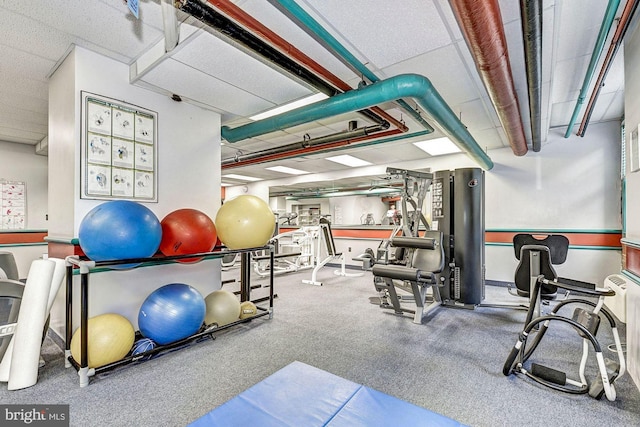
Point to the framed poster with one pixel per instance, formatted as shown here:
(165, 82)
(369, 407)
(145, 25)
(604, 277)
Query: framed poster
(119, 150)
(13, 205)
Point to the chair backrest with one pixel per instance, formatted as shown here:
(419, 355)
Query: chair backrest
(10, 299)
(8, 265)
(430, 259)
(557, 243)
(525, 270)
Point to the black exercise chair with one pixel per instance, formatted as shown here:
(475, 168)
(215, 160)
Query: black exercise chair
(558, 246)
(584, 321)
(422, 272)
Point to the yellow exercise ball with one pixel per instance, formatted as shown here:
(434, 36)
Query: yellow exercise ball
(110, 338)
(248, 309)
(245, 222)
(223, 308)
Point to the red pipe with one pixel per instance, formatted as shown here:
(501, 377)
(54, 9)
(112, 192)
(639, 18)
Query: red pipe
(481, 24)
(312, 149)
(629, 8)
(250, 23)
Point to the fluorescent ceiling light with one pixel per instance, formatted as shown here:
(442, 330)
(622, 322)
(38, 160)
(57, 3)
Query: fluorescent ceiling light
(284, 169)
(241, 177)
(438, 146)
(348, 160)
(290, 106)
(226, 184)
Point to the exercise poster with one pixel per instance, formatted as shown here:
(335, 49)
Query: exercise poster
(14, 205)
(119, 150)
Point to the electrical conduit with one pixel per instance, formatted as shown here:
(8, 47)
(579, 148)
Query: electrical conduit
(605, 27)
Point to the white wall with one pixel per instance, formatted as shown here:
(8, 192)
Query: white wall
(571, 184)
(632, 194)
(632, 121)
(19, 162)
(188, 149)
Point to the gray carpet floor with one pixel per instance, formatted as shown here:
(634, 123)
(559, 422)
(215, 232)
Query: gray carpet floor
(451, 364)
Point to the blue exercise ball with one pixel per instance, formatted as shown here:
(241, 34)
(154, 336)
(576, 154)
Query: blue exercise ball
(171, 313)
(120, 229)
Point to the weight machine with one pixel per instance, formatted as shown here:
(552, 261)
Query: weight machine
(457, 203)
(309, 247)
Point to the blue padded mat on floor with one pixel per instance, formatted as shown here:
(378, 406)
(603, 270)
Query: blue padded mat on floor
(301, 395)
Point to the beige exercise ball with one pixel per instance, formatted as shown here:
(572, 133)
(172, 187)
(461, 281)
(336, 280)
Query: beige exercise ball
(223, 307)
(245, 222)
(248, 309)
(110, 338)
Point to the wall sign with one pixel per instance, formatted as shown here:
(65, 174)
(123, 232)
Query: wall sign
(119, 150)
(13, 201)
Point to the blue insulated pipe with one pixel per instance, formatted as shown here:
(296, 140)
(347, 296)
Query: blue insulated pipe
(403, 86)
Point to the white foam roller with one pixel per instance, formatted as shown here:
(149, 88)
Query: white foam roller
(59, 272)
(27, 339)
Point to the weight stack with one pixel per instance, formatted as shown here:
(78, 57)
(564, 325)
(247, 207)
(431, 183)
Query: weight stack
(468, 220)
(458, 211)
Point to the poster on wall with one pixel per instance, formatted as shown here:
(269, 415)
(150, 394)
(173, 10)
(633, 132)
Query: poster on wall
(13, 215)
(119, 150)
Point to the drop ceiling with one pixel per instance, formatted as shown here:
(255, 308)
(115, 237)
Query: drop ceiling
(391, 38)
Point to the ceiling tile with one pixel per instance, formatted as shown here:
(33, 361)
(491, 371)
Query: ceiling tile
(225, 63)
(417, 28)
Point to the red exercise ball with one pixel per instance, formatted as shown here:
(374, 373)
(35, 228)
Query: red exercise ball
(187, 231)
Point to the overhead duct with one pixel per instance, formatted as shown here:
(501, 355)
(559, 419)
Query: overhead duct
(618, 36)
(605, 27)
(531, 17)
(205, 13)
(481, 24)
(402, 86)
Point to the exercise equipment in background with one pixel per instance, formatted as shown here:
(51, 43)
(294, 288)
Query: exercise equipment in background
(325, 246)
(171, 313)
(294, 251)
(222, 308)
(308, 247)
(119, 229)
(110, 339)
(585, 322)
(245, 222)
(187, 231)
